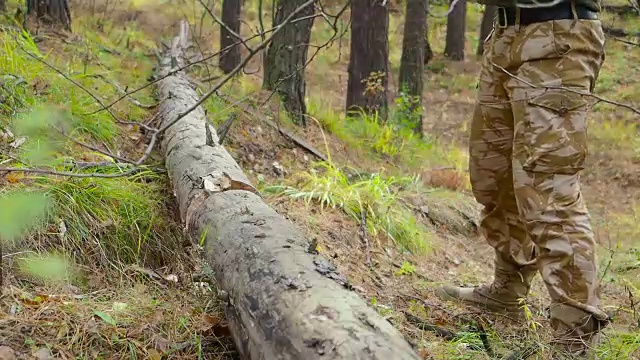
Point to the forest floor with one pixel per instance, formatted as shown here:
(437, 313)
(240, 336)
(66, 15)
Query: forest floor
(138, 288)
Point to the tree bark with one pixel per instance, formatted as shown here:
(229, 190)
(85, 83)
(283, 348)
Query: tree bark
(281, 301)
(412, 61)
(230, 55)
(368, 69)
(456, 27)
(286, 59)
(3, 5)
(486, 26)
(49, 12)
(428, 52)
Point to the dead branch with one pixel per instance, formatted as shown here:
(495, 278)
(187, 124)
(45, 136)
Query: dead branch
(186, 66)
(619, 32)
(621, 10)
(296, 139)
(364, 237)
(221, 23)
(240, 66)
(549, 87)
(94, 148)
(90, 93)
(124, 92)
(225, 127)
(71, 174)
(423, 325)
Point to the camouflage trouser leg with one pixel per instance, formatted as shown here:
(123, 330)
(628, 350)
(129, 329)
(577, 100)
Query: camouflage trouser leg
(491, 149)
(528, 145)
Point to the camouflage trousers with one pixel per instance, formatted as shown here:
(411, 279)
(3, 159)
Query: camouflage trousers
(528, 146)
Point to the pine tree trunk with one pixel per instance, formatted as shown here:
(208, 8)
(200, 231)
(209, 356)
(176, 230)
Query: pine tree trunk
(412, 62)
(485, 27)
(230, 53)
(49, 12)
(456, 27)
(428, 52)
(368, 69)
(286, 58)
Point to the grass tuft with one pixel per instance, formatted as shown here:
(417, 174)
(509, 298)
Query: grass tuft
(374, 196)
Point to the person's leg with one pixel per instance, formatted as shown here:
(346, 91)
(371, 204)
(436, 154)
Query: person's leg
(560, 62)
(490, 148)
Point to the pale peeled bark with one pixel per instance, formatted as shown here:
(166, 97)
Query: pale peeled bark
(282, 301)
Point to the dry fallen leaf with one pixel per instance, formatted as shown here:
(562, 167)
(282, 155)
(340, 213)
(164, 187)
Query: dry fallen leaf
(14, 177)
(91, 326)
(43, 354)
(154, 354)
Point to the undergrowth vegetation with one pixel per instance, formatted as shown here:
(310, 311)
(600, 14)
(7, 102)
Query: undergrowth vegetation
(78, 250)
(408, 190)
(372, 199)
(123, 218)
(388, 139)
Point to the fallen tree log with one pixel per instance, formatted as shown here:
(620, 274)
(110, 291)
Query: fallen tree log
(282, 300)
(622, 10)
(611, 31)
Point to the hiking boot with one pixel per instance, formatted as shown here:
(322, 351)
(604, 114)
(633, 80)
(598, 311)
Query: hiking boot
(576, 350)
(484, 297)
(502, 296)
(577, 333)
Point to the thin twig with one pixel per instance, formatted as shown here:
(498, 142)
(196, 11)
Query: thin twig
(297, 140)
(363, 235)
(219, 21)
(91, 147)
(68, 78)
(554, 87)
(238, 68)
(124, 92)
(484, 338)
(423, 325)
(70, 174)
(524, 353)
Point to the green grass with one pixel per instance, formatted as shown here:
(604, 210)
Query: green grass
(125, 218)
(93, 229)
(373, 197)
(387, 140)
(387, 203)
(100, 221)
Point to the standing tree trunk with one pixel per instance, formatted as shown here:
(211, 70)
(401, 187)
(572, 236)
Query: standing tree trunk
(286, 58)
(486, 26)
(412, 62)
(3, 5)
(229, 32)
(428, 52)
(368, 71)
(49, 12)
(456, 27)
